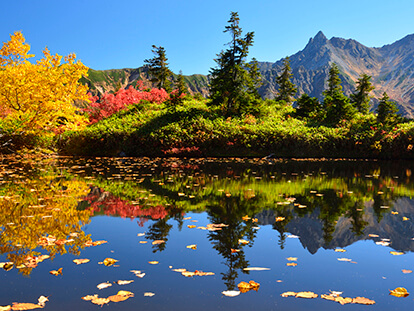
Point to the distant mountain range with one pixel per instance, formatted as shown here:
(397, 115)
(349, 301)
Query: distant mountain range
(391, 68)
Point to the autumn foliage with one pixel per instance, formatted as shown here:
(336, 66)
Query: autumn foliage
(39, 97)
(108, 104)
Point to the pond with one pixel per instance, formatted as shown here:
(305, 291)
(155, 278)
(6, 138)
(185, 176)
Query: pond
(224, 234)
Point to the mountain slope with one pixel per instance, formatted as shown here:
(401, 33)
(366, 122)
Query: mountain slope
(391, 68)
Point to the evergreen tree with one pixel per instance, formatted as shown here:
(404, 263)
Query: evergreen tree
(180, 84)
(286, 88)
(337, 105)
(387, 111)
(360, 99)
(233, 81)
(308, 107)
(158, 68)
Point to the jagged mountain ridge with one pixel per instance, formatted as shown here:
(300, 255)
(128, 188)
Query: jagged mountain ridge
(391, 68)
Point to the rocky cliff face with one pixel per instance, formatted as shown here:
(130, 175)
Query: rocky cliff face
(391, 68)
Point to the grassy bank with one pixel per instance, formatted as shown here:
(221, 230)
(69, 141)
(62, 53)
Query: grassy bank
(194, 129)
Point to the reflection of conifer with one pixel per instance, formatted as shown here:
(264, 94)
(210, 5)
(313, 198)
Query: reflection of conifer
(159, 230)
(356, 213)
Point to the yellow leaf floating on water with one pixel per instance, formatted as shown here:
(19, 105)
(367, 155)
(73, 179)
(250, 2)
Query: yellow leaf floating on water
(244, 287)
(103, 285)
(396, 253)
(241, 241)
(6, 265)
(306, 295)
(143, 242)
(245, 218)
(399, 292)
(405, 218)
(56, 272)
(196, 273)
(125, 293)
(373, 235)
(149, 294)
(288, 294)
(153, 262)
(109, 261)
(100, 301)
(343, 300)
(5, 308)
(291, 264)
(117, 298)
(156, 242)
(192, 246)
(90, 297)
(292, 258)
(340, 250)
(406, 271)
(80, 261)
(191, 226)
(41, 301)
(121, 282)
(363, 301)
(278, 219)
(25, 306)
(394, 213)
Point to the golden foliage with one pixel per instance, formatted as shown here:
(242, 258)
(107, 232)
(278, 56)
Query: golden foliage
(39, 97)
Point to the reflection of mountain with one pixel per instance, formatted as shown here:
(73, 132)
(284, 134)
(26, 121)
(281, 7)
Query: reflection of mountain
(310, 228)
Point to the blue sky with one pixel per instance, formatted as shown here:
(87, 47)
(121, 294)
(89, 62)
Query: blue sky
(119, 33)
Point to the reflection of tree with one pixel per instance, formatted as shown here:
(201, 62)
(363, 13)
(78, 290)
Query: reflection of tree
(230, 212)
(356, 213)
(40, 208)
(159, 230)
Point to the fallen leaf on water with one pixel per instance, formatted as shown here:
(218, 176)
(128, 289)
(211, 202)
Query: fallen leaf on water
(25, 306)
(231, 293)
(335, 293)
(6, 265)
(363, 301)
(153, 262)
(234, 250)
(340, 250)
(399, 292)
(278, 219)
(373, 235)
(143, 242)
(186, 218)
(125, 293)
(100, 301)
(192, 246)
(138, 273)
(196, 273)
(291, 264)
(109, 261)
(405, 218)
(191, 226)
(149, 294)
(288, 294)
(117, 298)
(328, 297)
(244, 287)
(256, 269)
(56, 272)
(121, 282)
(343, 300)
(382, 243)
(306, 295)
(157, 242)
(394, 213)
(41, 301)
(179, 270)
(140, 234)
(5, 308)
(396, 253)
(292, 258)
(245, 218)
(345, 259)
(103, 285)
(80, 261)
(241, 241)
(90, 297)
(406, 271)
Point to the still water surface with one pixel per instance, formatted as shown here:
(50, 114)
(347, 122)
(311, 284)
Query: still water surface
(338, 221)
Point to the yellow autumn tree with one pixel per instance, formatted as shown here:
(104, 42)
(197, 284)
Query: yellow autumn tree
(38, 98)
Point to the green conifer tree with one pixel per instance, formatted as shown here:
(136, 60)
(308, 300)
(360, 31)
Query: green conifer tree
(233, 80)
(286, 88)
(180, 84)
(337, 106)
(360, 99)
(158, 68)
(387, 111)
